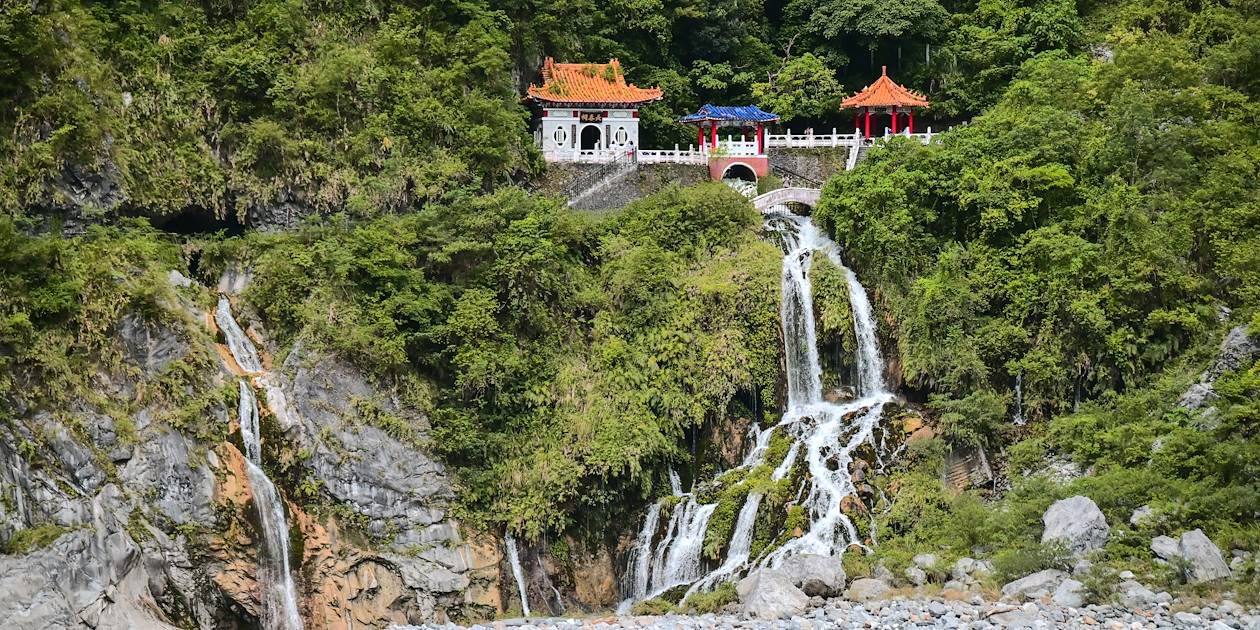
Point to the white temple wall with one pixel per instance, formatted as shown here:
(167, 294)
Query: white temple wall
(562, 128)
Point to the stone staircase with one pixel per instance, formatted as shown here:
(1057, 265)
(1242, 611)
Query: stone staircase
(600, 178)
(856, 156)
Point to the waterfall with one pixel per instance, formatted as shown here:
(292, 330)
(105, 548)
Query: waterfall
(682, 563)
(828, 433)
(241, 347)
(275, 576)
(739, 547)
(639, 566)
(675, 484)
(1019, 418)
(510, 543)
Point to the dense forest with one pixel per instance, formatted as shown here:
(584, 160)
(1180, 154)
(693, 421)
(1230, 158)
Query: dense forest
(1089, 229)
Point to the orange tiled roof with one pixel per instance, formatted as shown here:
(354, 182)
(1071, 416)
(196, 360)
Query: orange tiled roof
(589, 83)
(885, 93)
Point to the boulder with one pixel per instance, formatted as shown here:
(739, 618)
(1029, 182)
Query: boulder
(866, 589)
(1024, 617)
(916, 576)
(925, 561)
(770, 594)
(1133, 594)
(1141, 515)
(1077, 523)
(1204, 562)
(1070, 593)
(1165, 548)
(1039, 584)
(815, 575)
(962, 569)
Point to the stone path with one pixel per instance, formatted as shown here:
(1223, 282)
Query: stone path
(900, 613)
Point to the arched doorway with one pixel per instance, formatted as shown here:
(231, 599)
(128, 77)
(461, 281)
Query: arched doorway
(739, 171)
(592, 138)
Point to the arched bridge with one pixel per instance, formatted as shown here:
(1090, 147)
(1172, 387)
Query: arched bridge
(779, 196)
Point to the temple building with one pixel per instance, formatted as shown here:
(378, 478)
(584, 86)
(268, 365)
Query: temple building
(588, 110)
(884, 95)
(743, 155)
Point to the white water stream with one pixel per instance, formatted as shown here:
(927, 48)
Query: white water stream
(514, 559)
(827, 432)
(278, 592)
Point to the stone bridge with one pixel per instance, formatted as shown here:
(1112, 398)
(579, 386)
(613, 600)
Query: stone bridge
(807, 196)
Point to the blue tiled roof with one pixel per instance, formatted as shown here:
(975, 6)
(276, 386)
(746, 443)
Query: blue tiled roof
(723, 113)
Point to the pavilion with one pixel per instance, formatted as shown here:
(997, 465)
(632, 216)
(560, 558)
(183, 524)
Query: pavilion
(733, 156)
(589, 111)
(884, 94)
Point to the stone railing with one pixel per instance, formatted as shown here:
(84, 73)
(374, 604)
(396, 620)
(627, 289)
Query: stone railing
(690, 155)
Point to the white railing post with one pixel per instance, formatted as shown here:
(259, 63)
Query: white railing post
(788, 138)
(929, 136)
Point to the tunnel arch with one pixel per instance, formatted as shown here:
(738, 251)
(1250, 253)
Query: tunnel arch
(739, 170)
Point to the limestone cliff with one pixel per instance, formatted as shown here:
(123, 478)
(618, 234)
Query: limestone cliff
(123, 503)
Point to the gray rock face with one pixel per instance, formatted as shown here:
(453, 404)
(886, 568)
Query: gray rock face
(400, 488)
(1198, 396)
(75, 459)
(179, 491)
(150, 346)
(1039, 584)
(1070, 593)
(1237, 350)
(234, 280)
(1077, 523)
(770, 594)
(816, 576)
(916, 576)
(1204, 562)
(866, 589)
(96, 577)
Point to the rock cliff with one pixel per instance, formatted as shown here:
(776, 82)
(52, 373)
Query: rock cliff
(124, 503)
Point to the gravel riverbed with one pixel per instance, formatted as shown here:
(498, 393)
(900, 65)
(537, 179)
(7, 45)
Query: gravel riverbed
(916, 613)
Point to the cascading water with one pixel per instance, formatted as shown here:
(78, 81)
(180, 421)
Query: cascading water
(1019, 419)
(275, 576)
(827, 432)
(514, 560)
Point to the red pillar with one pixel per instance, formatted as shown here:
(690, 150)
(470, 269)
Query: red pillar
(713, 132)
(761, 139)
(700, 137)
(867, 134)
(894, 123)
(910, 122)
